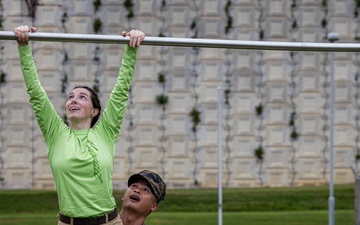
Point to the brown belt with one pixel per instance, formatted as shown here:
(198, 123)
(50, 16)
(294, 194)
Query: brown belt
(91, 220)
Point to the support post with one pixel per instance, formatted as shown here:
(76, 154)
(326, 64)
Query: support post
(220, 204)
(332, 37)
(357, 196)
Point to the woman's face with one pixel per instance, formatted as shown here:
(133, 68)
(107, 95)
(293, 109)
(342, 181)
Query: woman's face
(79, 106)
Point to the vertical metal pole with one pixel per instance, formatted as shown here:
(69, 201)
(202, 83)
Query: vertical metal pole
(332, 37)
(219, 89)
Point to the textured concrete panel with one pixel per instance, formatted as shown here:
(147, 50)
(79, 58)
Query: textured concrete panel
(48, 15)
(244, 16)
(276, 92)
(146, 7)
(145, 114)
(276, 114)
(310, 147)
(177, 103)
(146, 71)
(342, 115)
(309, 82)
(244, 103)
(309, 168)
(342, 92)
(177, 124)
(309, 125)
(243, 147)
(275, 135)
(277, 178)
(342, 135)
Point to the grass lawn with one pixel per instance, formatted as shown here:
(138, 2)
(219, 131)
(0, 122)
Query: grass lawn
(342, 217)
(250, 206)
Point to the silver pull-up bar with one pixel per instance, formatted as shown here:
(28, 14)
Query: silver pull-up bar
(189, 42)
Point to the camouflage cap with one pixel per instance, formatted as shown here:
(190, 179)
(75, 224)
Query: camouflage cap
(154, 181)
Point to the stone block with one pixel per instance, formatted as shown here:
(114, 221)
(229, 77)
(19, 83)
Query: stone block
(244, 17)
(309, 103)
(276, 92)
(146, 71)
(244, 103)
(309, 125)
(179, 17)
(177, 124)
(146, 7)
(178, 103)
(178, 147)
(342, 92)
(146, 158)
(343, 135)
(310, 146)
(145, 114)
(342, 115)
(48, 15)
(243, 146)
(275, 135)
(277, 177)
(309, 81)
(243, 168)
(309, 168)
(276, 114)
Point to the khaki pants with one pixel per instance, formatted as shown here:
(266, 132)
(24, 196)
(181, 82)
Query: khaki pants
(116, 221)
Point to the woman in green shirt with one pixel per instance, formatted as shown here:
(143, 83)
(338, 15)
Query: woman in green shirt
(81, 155)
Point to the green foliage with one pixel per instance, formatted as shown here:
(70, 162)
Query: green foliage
(324, 23)
(129, 5)
(1, 22)
(193, 24)
(357, 2)
(96, 86)
(227, 94)
(259, 110)
(324, 3)
(64, 18)
(292, 119)
(64, 82)
(294, 135)
(261, 35)
(195, 118)
(97, 5)
(161, 99)
(229, 18)
(161, 78)
(357, 156)
(97, 25)
(2, 77)
(259, 153)
(66, 58)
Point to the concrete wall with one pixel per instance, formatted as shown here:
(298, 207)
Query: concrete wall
(291, 89)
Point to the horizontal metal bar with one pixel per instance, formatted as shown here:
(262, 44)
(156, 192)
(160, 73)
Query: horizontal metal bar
(190, 42)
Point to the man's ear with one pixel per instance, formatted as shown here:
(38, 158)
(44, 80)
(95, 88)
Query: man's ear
(154, 207)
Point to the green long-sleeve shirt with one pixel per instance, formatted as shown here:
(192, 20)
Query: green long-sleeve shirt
(81, 160)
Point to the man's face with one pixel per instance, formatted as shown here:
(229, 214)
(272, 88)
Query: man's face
(139, 197)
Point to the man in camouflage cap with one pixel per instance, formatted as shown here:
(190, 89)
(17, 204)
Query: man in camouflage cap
(145, 190)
